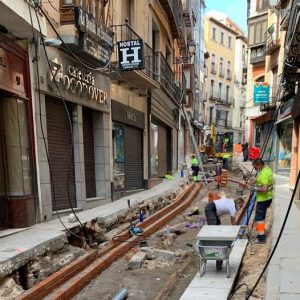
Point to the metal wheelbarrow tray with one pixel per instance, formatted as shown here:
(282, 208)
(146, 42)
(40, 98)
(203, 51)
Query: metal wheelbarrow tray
(214, 250)
(215, 242)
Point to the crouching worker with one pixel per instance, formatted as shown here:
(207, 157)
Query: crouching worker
(217, 208)
(195, 167)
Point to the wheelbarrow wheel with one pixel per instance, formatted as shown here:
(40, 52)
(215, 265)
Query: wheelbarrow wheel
(219, 265)
(202, 267)
(227, 268)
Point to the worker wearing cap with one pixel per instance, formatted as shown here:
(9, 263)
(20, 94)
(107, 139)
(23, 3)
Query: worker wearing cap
(195, 167)
(217, 208)
(264, 195)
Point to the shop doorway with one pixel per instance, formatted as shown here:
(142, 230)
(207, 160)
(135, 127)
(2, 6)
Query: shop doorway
(60, 154)
(16, 197)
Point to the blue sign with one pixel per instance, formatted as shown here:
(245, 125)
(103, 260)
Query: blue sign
(261, 93)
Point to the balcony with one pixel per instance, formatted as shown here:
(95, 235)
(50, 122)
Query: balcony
(167, 80)
(221, 72)
(284, 17)
(267, 107)
(224, 100)
(140, 79)
(229, 75)
(258, 55)
(213, 69)
(15, 18)
(187, 12)
(223, 123)
(272, 39)
(173, 9)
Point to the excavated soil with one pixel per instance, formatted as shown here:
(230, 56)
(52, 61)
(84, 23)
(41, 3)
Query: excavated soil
(145, 283)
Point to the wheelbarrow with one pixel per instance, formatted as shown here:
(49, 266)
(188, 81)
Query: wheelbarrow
(213, 250)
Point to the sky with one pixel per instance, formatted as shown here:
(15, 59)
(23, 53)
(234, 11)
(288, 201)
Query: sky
(236, 10)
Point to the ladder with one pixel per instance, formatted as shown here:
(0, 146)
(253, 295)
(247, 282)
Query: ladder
(187, 118)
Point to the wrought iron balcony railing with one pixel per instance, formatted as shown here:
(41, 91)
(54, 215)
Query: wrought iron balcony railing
(167, 79)
(125, 32)
(174, 11)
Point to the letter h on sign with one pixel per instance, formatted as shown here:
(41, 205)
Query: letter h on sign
(131, 55)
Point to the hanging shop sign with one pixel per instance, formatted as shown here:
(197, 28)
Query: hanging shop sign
(131, 55)
(77, 81)
(261, 93)
(94, 39)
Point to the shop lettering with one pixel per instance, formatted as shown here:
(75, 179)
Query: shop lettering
(78, 82)
(131, 116)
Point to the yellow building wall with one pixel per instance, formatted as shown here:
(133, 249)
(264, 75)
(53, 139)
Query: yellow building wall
(215, 47)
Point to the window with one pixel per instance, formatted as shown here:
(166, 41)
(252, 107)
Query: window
(229, 41)
(228, 69)
(213, 34)
(243, 53)
(220, 89)
(221, 66)
(213, 63)
(262, 5)
(257, 32)
(222, 38)
(212, 83)
(15, 148)
(154, 148)
(118, 156)
(227, 93)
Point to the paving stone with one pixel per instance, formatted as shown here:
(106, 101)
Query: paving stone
(136, 261)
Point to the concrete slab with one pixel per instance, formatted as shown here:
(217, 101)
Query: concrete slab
(218, 233)
(214, 284)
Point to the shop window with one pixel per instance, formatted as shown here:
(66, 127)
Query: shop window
(15, 167)
(285, 146)
(154, 148)
(118, 156)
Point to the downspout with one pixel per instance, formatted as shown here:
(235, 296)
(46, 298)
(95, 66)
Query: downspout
(149, 96)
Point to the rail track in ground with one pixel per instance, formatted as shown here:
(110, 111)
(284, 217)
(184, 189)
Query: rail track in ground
(67, 282)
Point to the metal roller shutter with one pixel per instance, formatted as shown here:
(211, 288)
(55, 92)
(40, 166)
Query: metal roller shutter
(89, 157)
(162, 151)
(59, 146)
(133, 158)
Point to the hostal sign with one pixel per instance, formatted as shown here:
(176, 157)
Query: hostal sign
(131, 55)
(77, 81)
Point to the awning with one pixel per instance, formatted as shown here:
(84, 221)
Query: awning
(263, 118)
(286, 118)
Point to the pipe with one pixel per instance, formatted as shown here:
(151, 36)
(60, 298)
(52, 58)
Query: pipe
(246, 219)
(122, 294)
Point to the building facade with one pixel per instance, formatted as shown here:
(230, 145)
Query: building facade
(220, 37)
(257, 26)
(19, 205)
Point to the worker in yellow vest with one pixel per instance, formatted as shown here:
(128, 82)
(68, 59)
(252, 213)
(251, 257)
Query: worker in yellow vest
(195, 167)
(264, 195)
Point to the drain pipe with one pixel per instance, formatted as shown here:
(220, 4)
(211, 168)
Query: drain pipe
(122, 294)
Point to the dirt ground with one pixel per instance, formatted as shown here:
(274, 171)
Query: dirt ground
(145, 283)
(253, 263)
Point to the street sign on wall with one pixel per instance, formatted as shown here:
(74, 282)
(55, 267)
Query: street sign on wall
(261, 92)
(131, 55)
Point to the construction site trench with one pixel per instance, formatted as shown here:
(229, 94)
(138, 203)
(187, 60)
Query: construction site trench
(158, 265)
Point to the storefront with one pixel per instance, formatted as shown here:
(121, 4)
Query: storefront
(163, 136)
(17, 205)
(75, 106)
(127, 134)
(284, 130)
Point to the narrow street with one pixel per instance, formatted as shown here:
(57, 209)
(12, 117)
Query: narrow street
(149, 149)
